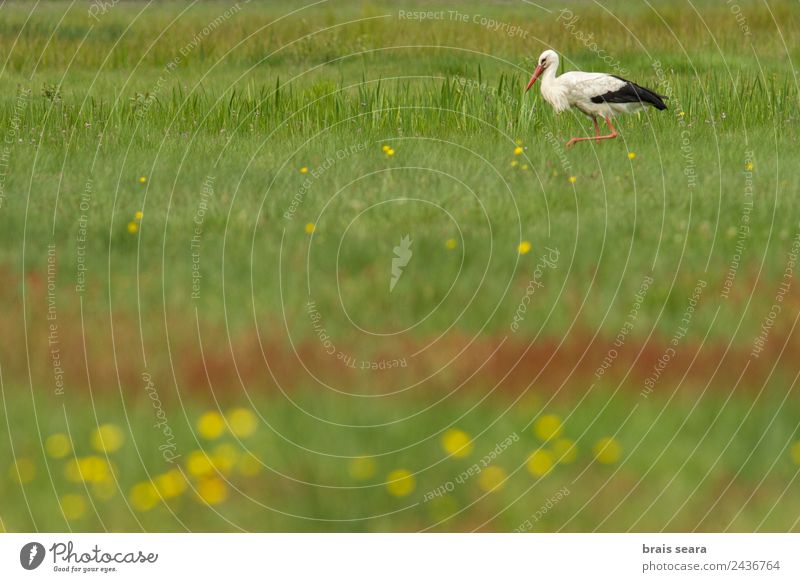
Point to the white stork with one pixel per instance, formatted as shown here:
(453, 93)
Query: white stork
(595, 94)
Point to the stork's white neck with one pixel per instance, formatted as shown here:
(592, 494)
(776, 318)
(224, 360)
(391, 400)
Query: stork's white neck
(552, 91)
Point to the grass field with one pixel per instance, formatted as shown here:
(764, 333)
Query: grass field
(199, 208)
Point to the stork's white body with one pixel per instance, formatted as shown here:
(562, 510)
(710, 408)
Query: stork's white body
(576, 89)
(595, 94)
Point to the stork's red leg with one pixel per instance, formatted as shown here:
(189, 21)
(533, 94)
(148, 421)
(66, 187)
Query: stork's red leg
(597, 136)
(596, 127)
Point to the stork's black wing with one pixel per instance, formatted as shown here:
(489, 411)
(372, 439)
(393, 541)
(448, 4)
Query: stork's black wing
(631, 93)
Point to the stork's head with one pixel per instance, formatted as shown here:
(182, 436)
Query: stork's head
(548, 59)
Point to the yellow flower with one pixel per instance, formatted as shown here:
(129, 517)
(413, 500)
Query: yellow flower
(57, 445)
(225, 457)
(170, 484)
(749, 166)
(243, 422)
(451, 244)
(23, 471)
(518, 141)
(92, 469)
(211, 425)
(310, 228)
(144, 496)
(198, 463)
(524, 167)
(362, 468)
(212, 491)
(400, 483)
(457, 443)
(682, 113)
(518, 150)
(104, 490)
(386, 148)
(73, 506)
(142, 179)
(539, 463)
(492, 479)
(565, 451)
(390, 152)
(573, 179)
(795, 452)
(107, 438)
(524, 247)
(133, 228)
(607, 451)
(548, 426)
(514, 163)
(631, 155)
(249, 465)
(304, 170)
(139, 215)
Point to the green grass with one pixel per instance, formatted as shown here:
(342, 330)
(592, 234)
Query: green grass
(87, 107)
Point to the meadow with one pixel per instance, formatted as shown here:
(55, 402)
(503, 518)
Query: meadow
(203, 329)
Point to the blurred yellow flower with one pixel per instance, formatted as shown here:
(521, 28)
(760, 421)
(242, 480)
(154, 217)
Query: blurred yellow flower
(386, 148)
(456, 443)
(198, 463)
(243, 422)
(107, 438)
(304, 170)
(133, 228)
(573, 179)
(451, 244)
(631, 155)
(524, 247)
(362, 468)
(749, 166)
(211, 425)
(795, 452)
(548, 426)
(249, 465)
(524, 167)
(144, 496)
(139, 215)
(514, 163)
(390, 152)
(400, 483)
(565, 451)
(310, 228)
(142, 179)
(492, 479)
(212, 491)
(517, 150)
(91, 469)
(518, 141)
(23, 470)
(682, 113)
(607, 451)
(225, 457)
(539, 463)
(170, 484)
(57, 445)
(104, 490)
(73, 506)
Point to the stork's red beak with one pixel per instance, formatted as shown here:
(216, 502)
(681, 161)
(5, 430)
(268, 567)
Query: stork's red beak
(536, 74)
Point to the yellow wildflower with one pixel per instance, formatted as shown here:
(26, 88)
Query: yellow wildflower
(212, 491)
(362, 468)
(304, 170)
(518, 150)
(144, 496)
(451, 244)
(547, 427)
(524, 247)
(631, 155)
(198, 463)
(539, 463)
(310, 228)
(492, 479)
(573, 179)
(211, 425)
(457, 443)
(400, 483)
(243, 422)
(23, 470)
(607, 451)
(107, 438)
(73, 506)
(57, 445)
(170, 484)
(133, 228)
